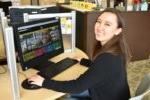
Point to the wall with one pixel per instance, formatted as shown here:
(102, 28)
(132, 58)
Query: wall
(25, 2)
(137, 30)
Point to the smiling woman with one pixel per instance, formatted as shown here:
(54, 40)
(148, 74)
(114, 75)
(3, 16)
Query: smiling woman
(106, 27)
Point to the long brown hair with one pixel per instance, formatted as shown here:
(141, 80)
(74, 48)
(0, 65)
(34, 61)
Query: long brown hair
(117, 45)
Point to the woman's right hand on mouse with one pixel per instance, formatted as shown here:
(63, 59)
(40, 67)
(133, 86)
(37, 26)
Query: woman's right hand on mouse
(77, 58)
(36, 79)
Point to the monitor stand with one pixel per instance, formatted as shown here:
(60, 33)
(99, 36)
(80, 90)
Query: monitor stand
(44, 68)
(52, 69)
(44, 65)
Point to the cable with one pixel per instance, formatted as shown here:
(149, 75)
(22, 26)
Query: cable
(3, 69)
(20, 72)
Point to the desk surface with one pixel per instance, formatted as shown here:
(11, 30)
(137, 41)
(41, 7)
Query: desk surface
(41, 94)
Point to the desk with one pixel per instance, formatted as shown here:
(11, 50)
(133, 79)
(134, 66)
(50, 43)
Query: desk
(41, 94)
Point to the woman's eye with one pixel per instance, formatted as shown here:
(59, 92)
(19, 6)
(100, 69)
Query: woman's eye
(98, 21)
(107, 24)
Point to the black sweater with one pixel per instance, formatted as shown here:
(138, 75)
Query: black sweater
(105, 79)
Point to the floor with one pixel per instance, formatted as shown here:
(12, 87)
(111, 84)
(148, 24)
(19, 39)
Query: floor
(136, 71)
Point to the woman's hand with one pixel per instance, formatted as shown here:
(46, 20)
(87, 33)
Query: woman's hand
(77, 58)
(36, 79)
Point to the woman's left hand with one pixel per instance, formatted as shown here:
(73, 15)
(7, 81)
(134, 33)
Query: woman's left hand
(36, 79)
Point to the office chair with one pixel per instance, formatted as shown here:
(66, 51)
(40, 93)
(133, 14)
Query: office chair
(143, 89)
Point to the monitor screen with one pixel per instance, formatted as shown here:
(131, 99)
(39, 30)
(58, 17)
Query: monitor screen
(38, 41)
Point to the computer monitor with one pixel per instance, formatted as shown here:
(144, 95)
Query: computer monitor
(37, 42)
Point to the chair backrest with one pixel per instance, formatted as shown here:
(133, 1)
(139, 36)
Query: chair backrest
(146, 97)
(143, 89)
(144, 85)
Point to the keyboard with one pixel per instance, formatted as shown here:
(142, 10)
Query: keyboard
(58, 67)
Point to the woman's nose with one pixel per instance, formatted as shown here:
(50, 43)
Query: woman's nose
(100, 26)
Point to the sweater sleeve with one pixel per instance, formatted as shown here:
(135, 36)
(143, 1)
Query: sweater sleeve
(100, 70)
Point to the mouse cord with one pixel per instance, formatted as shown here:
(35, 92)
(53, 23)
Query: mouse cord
(3, 68)
(20, 72)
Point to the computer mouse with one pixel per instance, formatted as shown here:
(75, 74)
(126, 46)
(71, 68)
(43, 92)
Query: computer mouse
(26, 84)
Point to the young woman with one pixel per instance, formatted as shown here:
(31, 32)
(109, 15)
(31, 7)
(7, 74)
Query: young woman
(106, 78)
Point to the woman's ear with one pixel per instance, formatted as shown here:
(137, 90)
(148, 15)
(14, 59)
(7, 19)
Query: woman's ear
(118, 31)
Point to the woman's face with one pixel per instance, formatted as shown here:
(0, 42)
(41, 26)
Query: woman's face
(106, 27)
